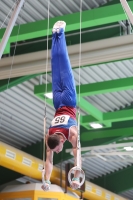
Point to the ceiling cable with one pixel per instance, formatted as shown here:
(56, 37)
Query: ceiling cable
(80, 32)
(45, 105)
(78, 160)
(79, 75)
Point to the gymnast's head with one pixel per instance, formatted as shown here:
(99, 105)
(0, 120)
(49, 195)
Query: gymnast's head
(55, 142)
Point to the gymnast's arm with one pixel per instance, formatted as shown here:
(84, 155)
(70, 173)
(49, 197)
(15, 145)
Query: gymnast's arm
(49, 162)
(73, 140)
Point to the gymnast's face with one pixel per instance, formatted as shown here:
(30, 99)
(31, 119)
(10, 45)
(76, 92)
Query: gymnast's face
(58, 148)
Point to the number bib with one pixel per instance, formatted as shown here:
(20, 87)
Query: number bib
(60, 120)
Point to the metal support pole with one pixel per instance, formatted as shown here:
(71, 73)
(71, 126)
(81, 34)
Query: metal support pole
(129, 27)
(40, 79)
(127, 10)
(10, 26)
(124, 27)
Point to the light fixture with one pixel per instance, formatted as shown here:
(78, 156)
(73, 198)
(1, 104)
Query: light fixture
(49, 95)
(96, 125)
(128, 148)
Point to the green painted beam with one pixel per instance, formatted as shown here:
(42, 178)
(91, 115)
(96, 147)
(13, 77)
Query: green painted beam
(116, 116)
(116, 182)
(105, 133)
(106, 86)
(90, 109)
(121, 115)
(90, 18)
(71, 39)
(14, 81)
(127, 141)
(87, 119)
(99, 87)
(93, 111)
(39, 91)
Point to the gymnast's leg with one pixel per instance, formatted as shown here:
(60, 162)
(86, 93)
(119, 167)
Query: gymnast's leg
(68, 95)
(56, 80)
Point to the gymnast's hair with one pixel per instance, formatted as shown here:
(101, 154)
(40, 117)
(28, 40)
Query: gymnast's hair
(53, 141)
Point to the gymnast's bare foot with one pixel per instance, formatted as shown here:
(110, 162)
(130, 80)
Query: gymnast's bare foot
(58, 25)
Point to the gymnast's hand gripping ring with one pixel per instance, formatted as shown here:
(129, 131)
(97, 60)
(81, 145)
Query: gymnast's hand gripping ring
(81, 175)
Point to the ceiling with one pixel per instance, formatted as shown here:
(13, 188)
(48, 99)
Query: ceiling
(108, 96)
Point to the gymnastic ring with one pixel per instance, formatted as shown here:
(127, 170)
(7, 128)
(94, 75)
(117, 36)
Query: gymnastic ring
(72, 171)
